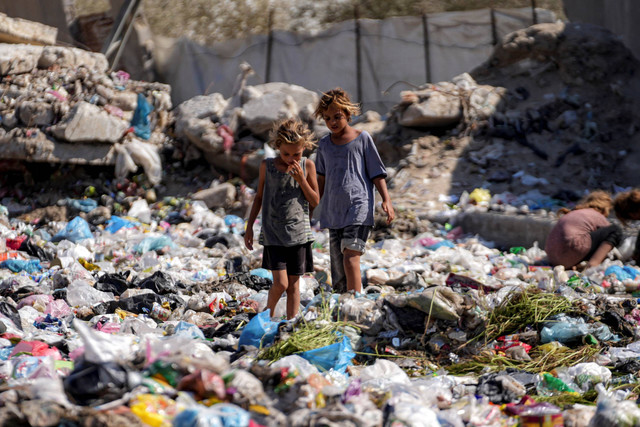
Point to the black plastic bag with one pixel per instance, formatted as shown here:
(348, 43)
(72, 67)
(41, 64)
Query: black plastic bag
(159, 282)
(94, 384)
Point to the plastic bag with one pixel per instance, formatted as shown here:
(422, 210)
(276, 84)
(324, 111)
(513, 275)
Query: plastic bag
(218, 415)
(115, 223)
(153, 244)
(140, 119)
(80, 293)
(83, 205)
(92, 383)
(140, 210)
(260, 331)
(335, 356)
(124, 163)
(147, 156)
(18, 265)
(76, 230)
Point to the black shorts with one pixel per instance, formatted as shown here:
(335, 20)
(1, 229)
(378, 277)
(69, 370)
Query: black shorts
(297, 260)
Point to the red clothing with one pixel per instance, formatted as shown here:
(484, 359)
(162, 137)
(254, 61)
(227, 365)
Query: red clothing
(569, 241)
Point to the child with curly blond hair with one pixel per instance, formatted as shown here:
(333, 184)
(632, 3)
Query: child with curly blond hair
(584, 233)
(287, 190)
(349, 167)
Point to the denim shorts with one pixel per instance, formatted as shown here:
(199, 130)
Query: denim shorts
(352, 237)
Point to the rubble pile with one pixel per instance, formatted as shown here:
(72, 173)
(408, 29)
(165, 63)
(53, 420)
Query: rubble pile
(60, 104)
(231, 133)
(552, 112)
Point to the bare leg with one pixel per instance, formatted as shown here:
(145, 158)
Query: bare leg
(293, 296)
(279, 286)
(600, 254)
(352, 270)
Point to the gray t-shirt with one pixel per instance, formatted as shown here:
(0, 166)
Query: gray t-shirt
(348, 170)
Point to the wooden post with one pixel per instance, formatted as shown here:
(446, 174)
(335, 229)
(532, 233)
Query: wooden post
(425, 35)
(494, 30)
(269, 47)
(533, 12)
(358, 54)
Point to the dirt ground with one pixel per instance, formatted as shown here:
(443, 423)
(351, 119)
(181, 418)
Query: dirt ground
(569, 123)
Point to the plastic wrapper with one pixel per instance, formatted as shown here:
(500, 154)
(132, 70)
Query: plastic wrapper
(80, 293)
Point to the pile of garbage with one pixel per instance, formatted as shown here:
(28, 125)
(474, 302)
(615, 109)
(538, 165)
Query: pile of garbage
(155, 317)
(60, 104)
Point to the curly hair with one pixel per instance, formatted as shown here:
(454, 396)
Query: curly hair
(341, 99)
(599, 200)
(627, 205)
(291, 131)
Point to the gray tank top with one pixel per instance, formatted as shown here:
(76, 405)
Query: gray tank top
(285, 211)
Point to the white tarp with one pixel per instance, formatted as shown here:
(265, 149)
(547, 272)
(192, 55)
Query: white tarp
(392, 52)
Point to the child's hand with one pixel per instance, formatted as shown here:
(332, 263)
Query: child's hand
(387, 207)
(296, 172)
(248, 238)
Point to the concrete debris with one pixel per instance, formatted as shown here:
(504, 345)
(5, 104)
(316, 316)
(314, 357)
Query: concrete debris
(17, 30)
(60, 105)
(89, 123)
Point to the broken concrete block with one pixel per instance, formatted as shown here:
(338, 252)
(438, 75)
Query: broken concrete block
(87, 122)
(438, 109)
(18, 59)
(203, 134)
(17, 30)
(125, 100)
(33, 113)
(221, 196)
(262, 113)
(71, 57)
(200, 107)
(300, 95)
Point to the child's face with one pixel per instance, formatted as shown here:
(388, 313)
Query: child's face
(291, 153)
(335, 119)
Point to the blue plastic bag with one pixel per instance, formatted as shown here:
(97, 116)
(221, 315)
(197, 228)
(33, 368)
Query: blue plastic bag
(76, 230)
(335, 356)
(140, 120)
(18, 265)
(218, 415)
(262, 272)
(235, 224)
(116, 223)
(622, 273)
(189, 330)
(260, 331)
(440, 244)
(84, 205)
(153, 244)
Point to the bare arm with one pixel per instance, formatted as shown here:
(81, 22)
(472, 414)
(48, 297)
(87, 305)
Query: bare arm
(387, 206)
(255, 208)
(308, 184)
